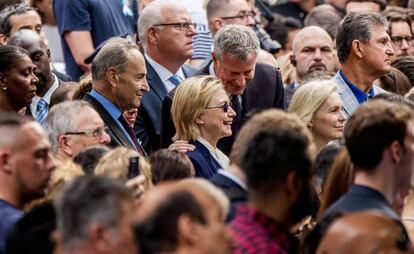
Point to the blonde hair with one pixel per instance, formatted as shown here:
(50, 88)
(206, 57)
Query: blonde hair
(114, 164)
(310, 97)
(190, 100)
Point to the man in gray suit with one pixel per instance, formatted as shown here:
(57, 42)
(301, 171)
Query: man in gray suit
(364, 50)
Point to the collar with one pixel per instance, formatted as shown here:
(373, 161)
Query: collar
(360, 95)
(218, 155)
(162, 72)
(233, 178)
(113, 110)
(46, 97)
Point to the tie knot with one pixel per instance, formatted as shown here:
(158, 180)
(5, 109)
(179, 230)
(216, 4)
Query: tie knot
(41, 104)
(175, 79)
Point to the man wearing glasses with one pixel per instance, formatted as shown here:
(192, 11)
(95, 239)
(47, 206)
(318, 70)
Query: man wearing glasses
(73, 126)
(399, 29)
(166, 32)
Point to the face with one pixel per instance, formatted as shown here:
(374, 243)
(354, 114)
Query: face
(401, 38)
(214, 231)
(40, 56)
(181, 48)
(216, 123)
(29, 20)
(21, 82)
(362, 7)
(328, 121)
(405, 170)
(131, 84)
(235, 73)
(314, 52)
(32, 162)
(130, 116)
(377, 52)
(237, 14)
(122, 237)
(88, 120)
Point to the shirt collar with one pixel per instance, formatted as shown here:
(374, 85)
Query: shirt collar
(360, 95)
(113, 110)
(46, 97)
(162, 72)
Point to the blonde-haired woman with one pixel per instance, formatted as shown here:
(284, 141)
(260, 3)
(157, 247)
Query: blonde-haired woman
(202, 115)
(319, 106)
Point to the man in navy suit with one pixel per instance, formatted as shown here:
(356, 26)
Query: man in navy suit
(383, 159)
(118, 84)
(166, 32)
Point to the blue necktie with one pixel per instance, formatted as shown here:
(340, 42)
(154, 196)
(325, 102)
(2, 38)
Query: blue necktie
(41, 111)
(175, 79)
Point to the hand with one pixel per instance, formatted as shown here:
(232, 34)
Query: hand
(181, 146)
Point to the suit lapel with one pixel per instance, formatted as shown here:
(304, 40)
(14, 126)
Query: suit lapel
(350, 103)
(154, 81)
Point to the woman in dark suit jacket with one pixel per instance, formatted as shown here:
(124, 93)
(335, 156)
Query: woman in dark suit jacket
(202, 115)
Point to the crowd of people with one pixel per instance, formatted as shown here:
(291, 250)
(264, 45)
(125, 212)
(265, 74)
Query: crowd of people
(206, 126)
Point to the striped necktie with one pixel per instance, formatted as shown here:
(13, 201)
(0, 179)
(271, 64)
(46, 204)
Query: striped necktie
(42, 109)
(175, 79)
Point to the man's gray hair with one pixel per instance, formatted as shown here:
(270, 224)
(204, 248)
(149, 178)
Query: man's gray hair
(152, 15)
(356, 26)
(61, 119)
(236, 40)
(112, 55)
(85, 201)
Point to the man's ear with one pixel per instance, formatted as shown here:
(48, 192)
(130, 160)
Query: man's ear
(3, 39)
(5, 161)
(217, 23)
(65, 144)
(395, 151)
(358, 48)
(112, 76)
(293, 184)
(48, 54)
(152, 36)
(188, 231)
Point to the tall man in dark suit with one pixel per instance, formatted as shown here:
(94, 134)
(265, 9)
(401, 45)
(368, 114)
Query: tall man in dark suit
(118, 84)
(379, 137)
(165, 31)
(252, 86)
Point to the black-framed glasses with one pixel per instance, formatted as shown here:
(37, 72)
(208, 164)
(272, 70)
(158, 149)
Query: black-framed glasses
(398, 40)
(225, 107)
(241, 15)
(92, 133)
(180, 26)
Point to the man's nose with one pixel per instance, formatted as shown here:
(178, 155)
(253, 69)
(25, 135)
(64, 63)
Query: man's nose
(105, 138)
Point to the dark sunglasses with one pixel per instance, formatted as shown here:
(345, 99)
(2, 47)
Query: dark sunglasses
(225, 107)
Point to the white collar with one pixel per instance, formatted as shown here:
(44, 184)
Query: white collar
(162, 72)
(46, 97)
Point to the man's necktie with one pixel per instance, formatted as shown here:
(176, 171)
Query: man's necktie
(175, 79)
(41, 111)
(131, 134)
(235, 104)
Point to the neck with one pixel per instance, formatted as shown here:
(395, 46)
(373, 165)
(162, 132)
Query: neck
(377, 180)
(105, 90)
(359, 76)
(319, 141)
(50, 80)
(209, 138)
(171, 64)
(277, 211)
(5, 105)
(9, 194)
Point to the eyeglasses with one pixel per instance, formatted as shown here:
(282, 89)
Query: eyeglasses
(225, 107)
(398, 40)
(92, 133)
(242, 16)
(180, 26)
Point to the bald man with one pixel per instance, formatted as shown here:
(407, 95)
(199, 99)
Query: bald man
(183, 218)
(312, 50)
(365, 232)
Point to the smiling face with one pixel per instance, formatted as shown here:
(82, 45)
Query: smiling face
(21, 82)
(235, 73)
(215, 123)
(377, 52)
(131, 84)
(328, 121)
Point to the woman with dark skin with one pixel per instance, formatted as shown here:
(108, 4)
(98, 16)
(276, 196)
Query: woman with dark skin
(17, 80)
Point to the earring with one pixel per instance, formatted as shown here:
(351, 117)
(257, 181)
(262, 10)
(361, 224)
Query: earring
(199, 122)
(4, 88)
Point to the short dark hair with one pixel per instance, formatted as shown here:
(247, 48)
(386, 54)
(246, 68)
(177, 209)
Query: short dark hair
(270, 156)
(89, 157)
(373, 127)
(6, 13)
(395, 81)
(158, 232)
(356, 26)
(87, 200)
(169, 165)
(10, 56)
(405, 64)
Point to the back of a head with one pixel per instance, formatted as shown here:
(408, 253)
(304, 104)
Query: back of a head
(381, 3)
(89, 157)
(236, 40)
(326, 17)
(167, 165)
(356, 26)
(10, 125)
(395, 82)
(64, 92)
(372, 127)
(86, 201)
(364, 232)
(270, 156)
(10, 56)
(267, 120)
(405, 64)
